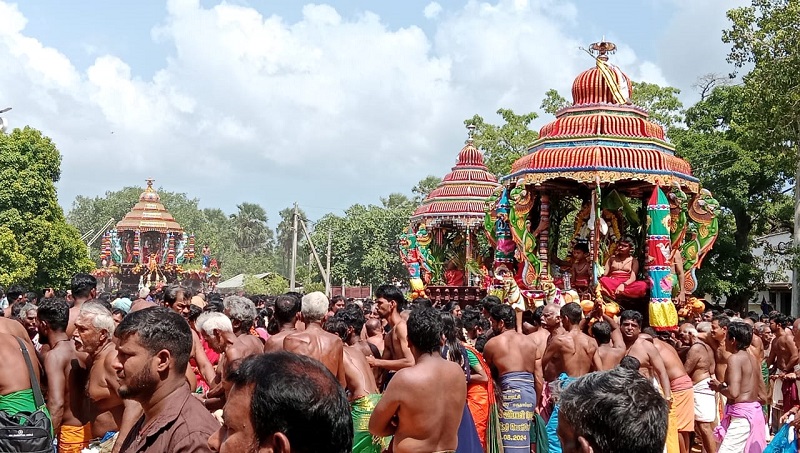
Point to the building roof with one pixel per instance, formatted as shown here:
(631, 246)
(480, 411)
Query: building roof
(603, 136)
(460, 199)
(149, 214)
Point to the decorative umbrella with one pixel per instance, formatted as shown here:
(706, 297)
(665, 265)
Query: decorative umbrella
(663, 316)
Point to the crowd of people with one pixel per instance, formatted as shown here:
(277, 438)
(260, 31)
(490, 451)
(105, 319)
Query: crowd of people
(168, 370)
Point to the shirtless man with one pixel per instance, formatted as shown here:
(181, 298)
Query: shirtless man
(314, 342)
(362, 390)
(681, 409)
(551, 321)
(176, 300)
(783, 358)
(716, 340)
(67, 373)
(610, 344)
(422, 405)
(94, 330)
(217, 330)
(13, 327)
(354, 320)
(242, 313)
(397, 354)
(358, 375)
(540, 337)
(15, 380)
(743, 415)
(375, 335)
(699, 365)
(83, 288)
(568, 356)
(287, 309)
(652, 365)
(572, 351)
(512, 357)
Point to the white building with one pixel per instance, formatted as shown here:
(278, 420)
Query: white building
(771, 255)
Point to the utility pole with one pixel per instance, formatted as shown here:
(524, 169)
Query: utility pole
(314, 253)
(328, 266)
(293, 269)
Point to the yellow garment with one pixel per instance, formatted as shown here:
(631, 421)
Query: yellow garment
(663, 315)
(611, 82)
(73, 439)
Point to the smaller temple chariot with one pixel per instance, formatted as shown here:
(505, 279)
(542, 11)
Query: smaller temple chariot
(441, 245)
(149, 248)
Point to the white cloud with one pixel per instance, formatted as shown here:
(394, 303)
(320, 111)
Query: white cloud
(692, 44)
(327, 110)
(432, 10)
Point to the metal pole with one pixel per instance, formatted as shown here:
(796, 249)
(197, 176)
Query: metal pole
(328, 266)
(293, 268)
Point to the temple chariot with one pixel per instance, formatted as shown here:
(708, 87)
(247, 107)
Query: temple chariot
(600, 210)
(442, 245)
(149, 248)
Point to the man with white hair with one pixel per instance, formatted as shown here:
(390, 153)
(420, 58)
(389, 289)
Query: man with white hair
(699, 364)
(315, 342)
(217, 330)
(93, 335)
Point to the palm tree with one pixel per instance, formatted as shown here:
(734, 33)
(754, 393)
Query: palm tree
(250, 227)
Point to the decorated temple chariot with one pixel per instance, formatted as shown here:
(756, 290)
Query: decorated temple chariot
(599, 211)
(149, 248)
(442, 245)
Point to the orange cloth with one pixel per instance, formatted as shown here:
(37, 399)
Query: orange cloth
(73, 439)
(681, 412)
(478, 398)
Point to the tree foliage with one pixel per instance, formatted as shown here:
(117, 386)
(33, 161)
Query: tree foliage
(730, 155)
(364, 243)
(241, 242)
(661, 102)
(48, 251)
(503, 144)
(424, 187)
(765, 37)
(553, 102)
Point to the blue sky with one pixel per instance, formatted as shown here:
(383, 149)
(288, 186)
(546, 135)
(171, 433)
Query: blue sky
(327, 104)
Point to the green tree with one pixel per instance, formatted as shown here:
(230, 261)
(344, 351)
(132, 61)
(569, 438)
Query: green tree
(504, 144)
(553, 102)
(254, 285)
(250, 224)
(765, 38)
(424, 187)
(275, 285)
(730, 155)
(661, 102)
(29, 209)
(15, 267)
(364, 243)
(396, 200)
